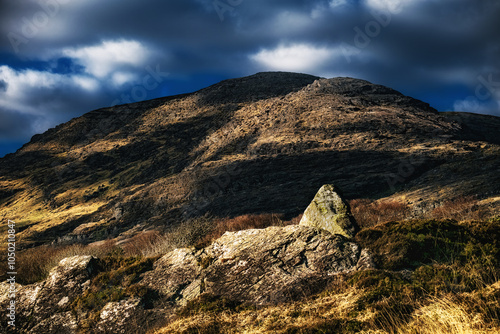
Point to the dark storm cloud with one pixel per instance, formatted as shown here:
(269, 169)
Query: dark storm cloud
(418, 46)
(447, 33)
(15, 125)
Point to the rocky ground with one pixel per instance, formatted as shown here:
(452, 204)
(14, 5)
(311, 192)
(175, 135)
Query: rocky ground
(252, 267)
(421, 276)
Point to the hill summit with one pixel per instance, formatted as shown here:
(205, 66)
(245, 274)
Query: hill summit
(263, 143)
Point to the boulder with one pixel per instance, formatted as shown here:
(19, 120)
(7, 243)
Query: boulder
(258, 266)
(328, 211)
(120, 317)
(63, 322)
(65, 282)
(43, 307)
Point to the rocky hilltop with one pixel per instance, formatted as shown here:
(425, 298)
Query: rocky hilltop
(235, 148)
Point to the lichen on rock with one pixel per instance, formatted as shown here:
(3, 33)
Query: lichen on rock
(257, 266)
(328, 211)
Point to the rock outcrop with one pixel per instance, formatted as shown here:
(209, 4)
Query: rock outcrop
(44, 307)
(258, 266)
(328, 211)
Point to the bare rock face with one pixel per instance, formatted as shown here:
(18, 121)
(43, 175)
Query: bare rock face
(66, 281)
(175, 275)
(43, 307)
(235, 148)
(277, 264)
(120, 317)
(329, 212)
(258, 266)
(64, 322)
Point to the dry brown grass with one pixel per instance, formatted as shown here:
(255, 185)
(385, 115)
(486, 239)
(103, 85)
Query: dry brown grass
(144, 243)
(244, 222)
(461, 208)
(446, 315)
(198, 232)
(34, 264)
(454, 289)
(317, 313)
(369, 213)
(185, 234)
(338, 311)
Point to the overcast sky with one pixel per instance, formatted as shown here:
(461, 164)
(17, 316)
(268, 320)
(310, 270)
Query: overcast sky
(62, 58)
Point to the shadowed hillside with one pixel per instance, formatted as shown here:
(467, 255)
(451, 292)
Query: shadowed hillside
(263, 143)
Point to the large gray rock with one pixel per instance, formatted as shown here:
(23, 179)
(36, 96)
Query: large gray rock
(43, 307)
(259, 266)
(329, 212)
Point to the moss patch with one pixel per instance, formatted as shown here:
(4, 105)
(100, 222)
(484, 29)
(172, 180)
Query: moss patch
(207, 303)
(117, 280)
(410, 244)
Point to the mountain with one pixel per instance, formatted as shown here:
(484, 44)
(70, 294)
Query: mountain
(259, 144)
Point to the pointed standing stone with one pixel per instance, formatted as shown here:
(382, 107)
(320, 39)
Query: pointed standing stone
(328, 211)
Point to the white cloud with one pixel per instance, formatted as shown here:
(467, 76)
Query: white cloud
(85, 83)
(296, 57)
(473, 104)
(42, 98)
(121, 78)
(109, 56)
(25, 86)
(337, 3)
(336, 6)
(393, 6)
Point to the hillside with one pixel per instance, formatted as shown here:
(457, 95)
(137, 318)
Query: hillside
(259, 144)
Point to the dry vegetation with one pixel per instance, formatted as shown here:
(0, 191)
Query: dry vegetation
(339, 312)
(35, 263)
(435, 275)
(463, 208)
(276, 131)
(243, 223)
(369, 213)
